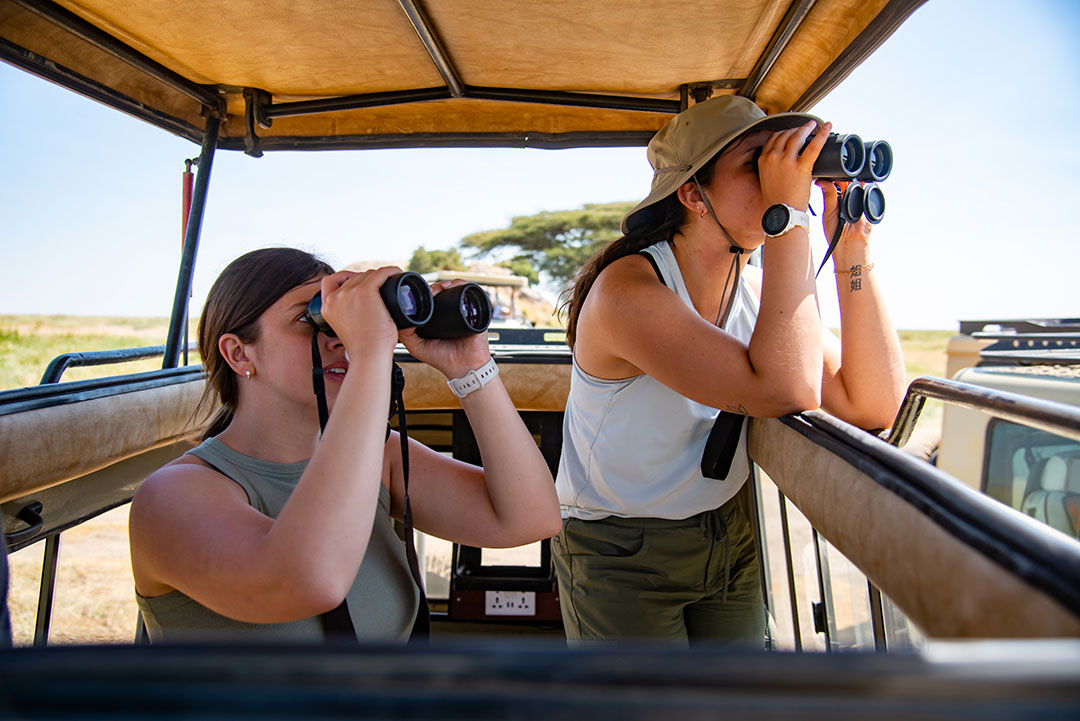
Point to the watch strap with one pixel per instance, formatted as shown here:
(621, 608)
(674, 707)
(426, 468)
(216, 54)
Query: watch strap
(795, 218)
(473, 380)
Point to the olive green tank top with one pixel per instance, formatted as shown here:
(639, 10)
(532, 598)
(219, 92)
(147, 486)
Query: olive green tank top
(382, 602)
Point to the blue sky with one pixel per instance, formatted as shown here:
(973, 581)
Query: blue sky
(979, 100)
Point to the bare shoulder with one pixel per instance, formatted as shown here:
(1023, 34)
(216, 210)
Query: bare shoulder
(182, 482)
(623, 282)
(616, 302)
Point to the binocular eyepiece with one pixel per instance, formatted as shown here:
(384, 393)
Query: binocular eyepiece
(454, 313)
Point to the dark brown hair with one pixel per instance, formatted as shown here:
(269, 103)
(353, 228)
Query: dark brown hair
(662, 220)
(240, 295)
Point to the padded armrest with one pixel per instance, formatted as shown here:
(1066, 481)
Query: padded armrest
(47, 446)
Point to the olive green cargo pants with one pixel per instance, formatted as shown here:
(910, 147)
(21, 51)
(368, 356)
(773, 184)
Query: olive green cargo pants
(648, 578)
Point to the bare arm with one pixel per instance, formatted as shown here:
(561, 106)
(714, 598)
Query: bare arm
(508, 502)
(192, 529)
(864, 378)
(630, 315)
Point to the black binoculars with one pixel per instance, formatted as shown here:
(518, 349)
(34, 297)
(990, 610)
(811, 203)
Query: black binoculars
(848, 159)
(454, 313)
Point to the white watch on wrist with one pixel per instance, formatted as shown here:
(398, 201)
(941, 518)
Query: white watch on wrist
(473, 380)
(780, 218)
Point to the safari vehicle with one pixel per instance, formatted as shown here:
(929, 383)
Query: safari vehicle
(938, 577)
(1031, 469)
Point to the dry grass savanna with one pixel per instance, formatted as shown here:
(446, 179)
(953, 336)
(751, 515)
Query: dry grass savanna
(94, 594)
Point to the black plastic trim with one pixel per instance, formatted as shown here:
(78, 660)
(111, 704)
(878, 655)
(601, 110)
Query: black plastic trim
(534, 678)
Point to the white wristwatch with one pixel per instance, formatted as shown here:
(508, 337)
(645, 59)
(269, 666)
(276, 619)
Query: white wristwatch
(781, 218)
(473, 380)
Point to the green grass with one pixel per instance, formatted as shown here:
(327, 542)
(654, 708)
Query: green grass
(29, 342)
(924, 351)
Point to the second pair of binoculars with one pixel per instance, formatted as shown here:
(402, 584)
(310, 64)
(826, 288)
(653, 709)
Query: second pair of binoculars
(454, 313)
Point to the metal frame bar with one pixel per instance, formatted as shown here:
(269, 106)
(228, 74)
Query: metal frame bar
(821, 565)
(62, 362)
(877, 618)
(551, 141)
(191, 245)
(790, 571)
(1050, 416)
(48, 587)
(434, 44)
(44, 68)
(794, 18)
(872, 36)
(758, 521)
(477, 92)
(107, 43)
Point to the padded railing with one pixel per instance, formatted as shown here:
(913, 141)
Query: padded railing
(956, 562)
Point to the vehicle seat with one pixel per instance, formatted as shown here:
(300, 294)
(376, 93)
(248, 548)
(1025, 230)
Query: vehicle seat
(1057, 502)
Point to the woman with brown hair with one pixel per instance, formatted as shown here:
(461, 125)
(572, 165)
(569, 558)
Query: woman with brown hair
(669, 326)
(270, 530)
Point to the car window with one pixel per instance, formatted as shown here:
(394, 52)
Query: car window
(1035, 472)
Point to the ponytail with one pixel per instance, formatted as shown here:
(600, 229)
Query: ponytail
(657, 222)
(671, 215)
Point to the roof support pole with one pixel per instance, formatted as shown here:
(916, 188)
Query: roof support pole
(791, 22)
(434, 45)
(191, 244)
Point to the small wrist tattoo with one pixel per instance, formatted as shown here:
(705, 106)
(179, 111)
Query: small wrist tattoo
(856, 278)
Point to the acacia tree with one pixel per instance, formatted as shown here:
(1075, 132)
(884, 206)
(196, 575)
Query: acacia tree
(425, 261)
(555, 243)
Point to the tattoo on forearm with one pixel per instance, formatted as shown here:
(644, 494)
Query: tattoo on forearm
(856, 277)
(740, 409)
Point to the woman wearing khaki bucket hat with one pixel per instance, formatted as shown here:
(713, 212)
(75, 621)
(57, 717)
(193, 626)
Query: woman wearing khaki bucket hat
(668, 326)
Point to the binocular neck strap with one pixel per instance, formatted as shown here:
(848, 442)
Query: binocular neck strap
(337, 623)
(839, 229)
(317, 381)
(422, 626)
(736, 266)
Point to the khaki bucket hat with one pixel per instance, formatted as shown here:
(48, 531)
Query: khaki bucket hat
(693, 137)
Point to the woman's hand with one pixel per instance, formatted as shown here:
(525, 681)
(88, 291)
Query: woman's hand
(854, 236)
(351, 304)
(453, 357)
(785, 167)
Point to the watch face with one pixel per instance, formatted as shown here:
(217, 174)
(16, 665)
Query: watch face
(775, 219)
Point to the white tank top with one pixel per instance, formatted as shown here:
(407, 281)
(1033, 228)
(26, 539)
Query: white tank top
(632, 448)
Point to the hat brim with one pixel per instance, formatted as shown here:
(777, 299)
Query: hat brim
(647, 209)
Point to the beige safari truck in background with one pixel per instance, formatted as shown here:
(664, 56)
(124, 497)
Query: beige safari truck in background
(895, 588)
(1032, 469)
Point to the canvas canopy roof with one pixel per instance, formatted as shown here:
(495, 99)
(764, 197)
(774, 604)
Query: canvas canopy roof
(295, 74)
